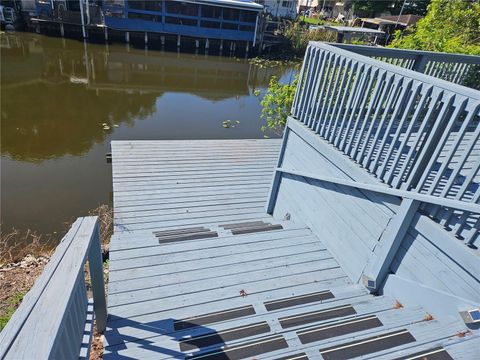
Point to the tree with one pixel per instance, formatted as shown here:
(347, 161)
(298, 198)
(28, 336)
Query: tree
(449, 26)
(370, 7)
(376, 7)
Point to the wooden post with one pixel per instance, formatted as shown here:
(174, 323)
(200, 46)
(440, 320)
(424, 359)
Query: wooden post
(146, 38)
(62, 30)
(95, 264)
(221, 45)
(277, 177)
(83, 19)
(162, 40)
(127, 37)
(207, 44)
(105, 30)
(381, 258)
(87, 7)
(178, 40)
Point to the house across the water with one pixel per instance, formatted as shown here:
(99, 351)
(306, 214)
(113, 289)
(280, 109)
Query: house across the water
(202, 22)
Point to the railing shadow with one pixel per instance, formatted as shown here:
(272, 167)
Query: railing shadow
(185, 336)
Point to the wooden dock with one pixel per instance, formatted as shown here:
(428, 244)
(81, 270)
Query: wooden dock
(161, 185)
(199, 270)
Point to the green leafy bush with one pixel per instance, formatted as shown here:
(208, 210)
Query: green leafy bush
(277, 103)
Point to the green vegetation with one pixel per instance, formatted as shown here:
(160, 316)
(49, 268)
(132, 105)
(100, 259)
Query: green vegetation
(298, 36)
(13, 304)
(449, 26)
(277, 103)
(311, 20)
(373, 8)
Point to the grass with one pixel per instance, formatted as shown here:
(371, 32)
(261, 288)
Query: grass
(14, 301)
(312, 21)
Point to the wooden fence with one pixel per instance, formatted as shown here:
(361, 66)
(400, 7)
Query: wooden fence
(55, 319)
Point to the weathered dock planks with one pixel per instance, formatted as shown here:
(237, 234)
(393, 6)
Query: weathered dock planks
(199, 270)
(172, 184)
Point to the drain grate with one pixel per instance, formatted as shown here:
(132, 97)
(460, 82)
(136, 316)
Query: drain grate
(194, 233)
(251, 227)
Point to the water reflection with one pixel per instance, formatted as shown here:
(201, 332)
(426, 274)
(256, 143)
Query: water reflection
(57, 93)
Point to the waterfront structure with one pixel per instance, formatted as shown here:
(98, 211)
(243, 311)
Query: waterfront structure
(355, 236)
(212, 19)
(206, 21)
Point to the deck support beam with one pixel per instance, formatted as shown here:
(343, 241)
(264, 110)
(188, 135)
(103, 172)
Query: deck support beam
(383, 254)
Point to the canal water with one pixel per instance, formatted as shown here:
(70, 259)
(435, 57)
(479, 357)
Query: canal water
(63, 101)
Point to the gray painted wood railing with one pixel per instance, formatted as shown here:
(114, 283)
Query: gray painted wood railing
(55, 318)
(414, 132)
(457, 68)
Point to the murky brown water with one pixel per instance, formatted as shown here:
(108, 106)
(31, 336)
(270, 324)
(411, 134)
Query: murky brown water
(56, 93)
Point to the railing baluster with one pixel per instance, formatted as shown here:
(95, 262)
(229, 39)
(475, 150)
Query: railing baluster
(351, 98)
(408, 130)
(323, 130)
(390, 175)
(408, 108)
(342, 92)
(318, 117)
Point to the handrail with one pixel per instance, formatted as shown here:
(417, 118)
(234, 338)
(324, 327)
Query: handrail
(407, 54)
(441, 83)
(383, 189)
(52, 318)
(457, 68)
(412, 131)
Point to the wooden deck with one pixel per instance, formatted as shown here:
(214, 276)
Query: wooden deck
(174, 184)
(199, 271)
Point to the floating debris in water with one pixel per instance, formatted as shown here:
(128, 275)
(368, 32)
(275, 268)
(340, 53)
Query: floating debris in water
(230, 124)
(106, 127)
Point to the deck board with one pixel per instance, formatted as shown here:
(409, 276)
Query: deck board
(202, 295)
(214, 173)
